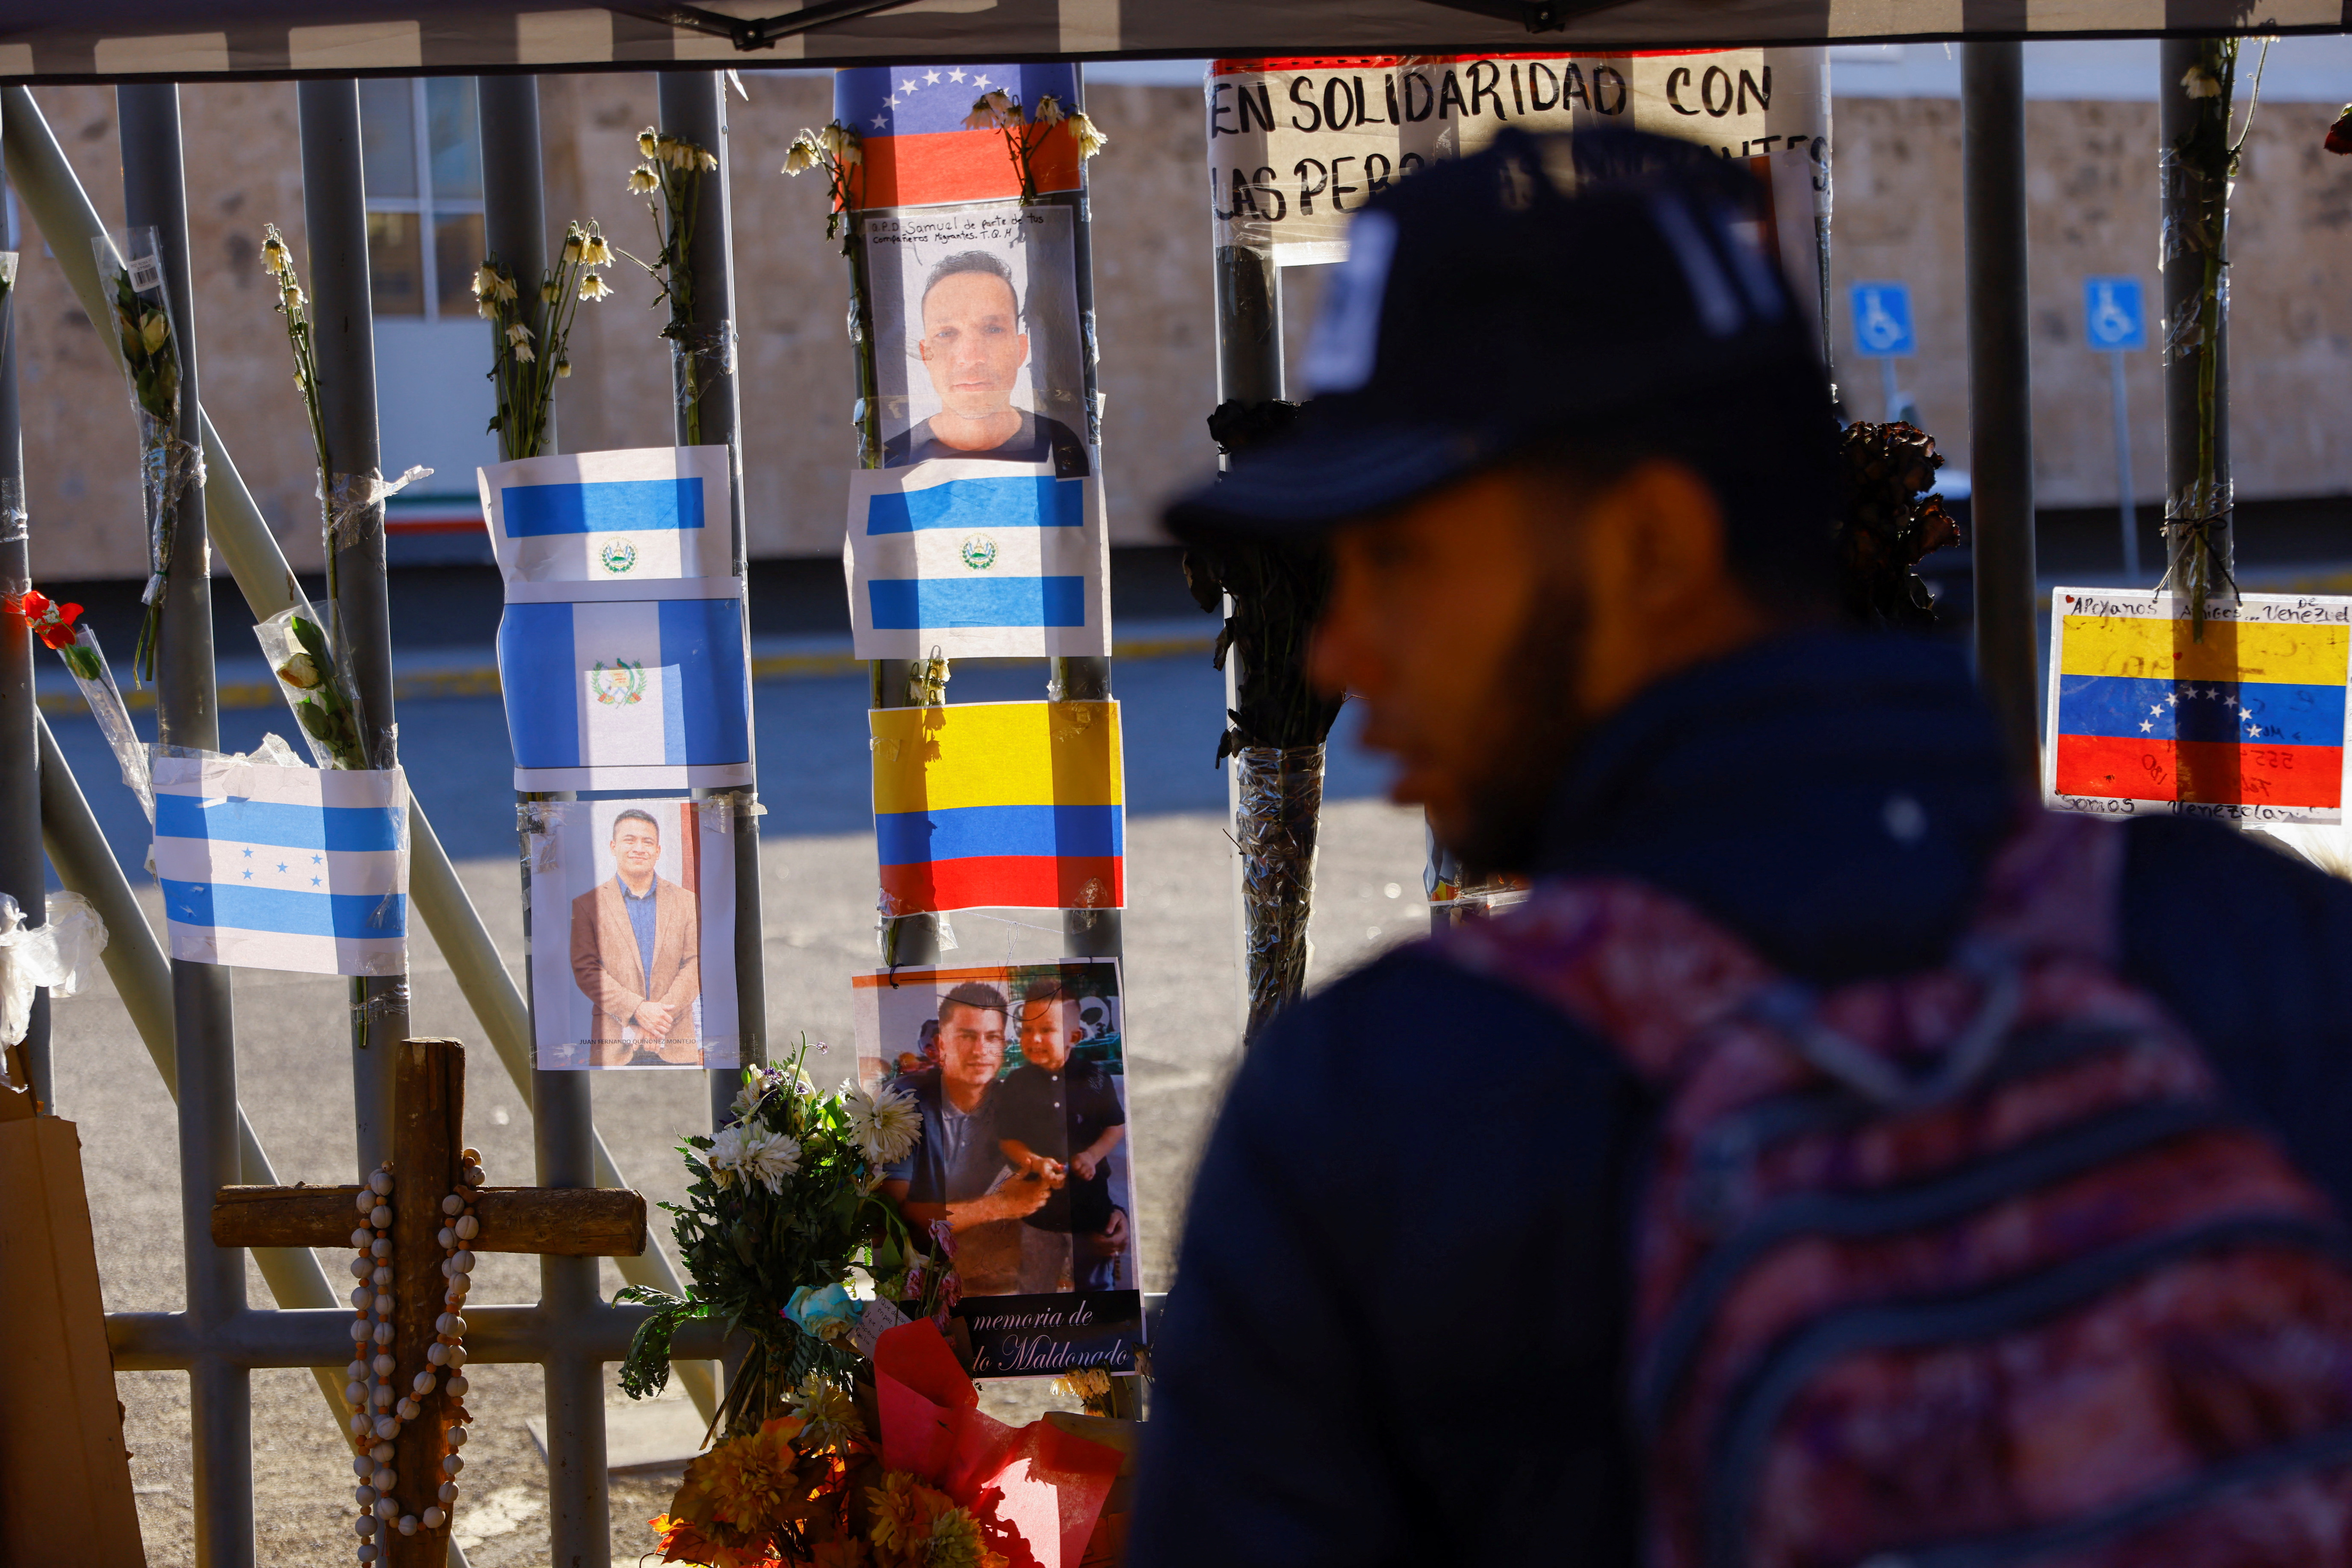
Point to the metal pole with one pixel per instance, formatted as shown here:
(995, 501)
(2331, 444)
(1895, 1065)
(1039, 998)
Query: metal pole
(563, 1132)
(514, 204)
(2194, 236)
(46, 182)
(1887, 391)
(2001, 427)
(342, 329)
(221, 1413)
(694, 106)
(22, 877)
(2124, 468)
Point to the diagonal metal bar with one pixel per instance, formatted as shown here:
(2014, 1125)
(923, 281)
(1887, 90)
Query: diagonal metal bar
(47, 185)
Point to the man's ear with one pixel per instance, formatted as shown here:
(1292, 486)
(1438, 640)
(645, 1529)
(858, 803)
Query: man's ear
(1654, 538)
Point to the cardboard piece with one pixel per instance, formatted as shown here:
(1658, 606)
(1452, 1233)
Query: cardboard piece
(65, 1472)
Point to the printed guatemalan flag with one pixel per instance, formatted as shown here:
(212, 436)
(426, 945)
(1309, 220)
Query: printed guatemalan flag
(2246, 722)
(917, 150)
(643, 693)
(977, 559)
(1000, 805)
(283, 868)
(609, 516)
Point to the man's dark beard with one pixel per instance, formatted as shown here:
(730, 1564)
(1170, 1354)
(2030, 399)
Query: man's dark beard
(1539, 734)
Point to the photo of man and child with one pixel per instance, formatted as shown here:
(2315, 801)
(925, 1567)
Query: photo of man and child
(1018, 1075)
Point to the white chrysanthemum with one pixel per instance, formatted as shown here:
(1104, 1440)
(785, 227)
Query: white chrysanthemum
(753, 1154)
(754, 1089)
(887, 1125)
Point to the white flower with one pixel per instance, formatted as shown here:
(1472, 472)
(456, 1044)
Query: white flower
(2201, 82)
(801, 155)
(887, 1125)
(753, 1090)
(648, 142)
(755, 1155)
(1090, 141)
(1049, 109)
(597, 253)
(517, 334)
(642, 181)
(593, 288)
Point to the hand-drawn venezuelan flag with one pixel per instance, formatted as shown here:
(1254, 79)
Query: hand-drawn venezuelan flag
(2251, 717)
(917, 150)
(1000, 805)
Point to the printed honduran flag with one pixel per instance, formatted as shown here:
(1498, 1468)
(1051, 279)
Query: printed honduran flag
(2246, 722)
(283, 868)
(976, 559)
(629, 694)
(604, 517)
(999, 804)
(917, 150)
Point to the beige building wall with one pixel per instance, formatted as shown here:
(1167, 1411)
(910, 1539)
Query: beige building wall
(2094, 209)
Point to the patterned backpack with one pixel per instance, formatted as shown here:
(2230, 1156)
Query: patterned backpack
(1965, 1269)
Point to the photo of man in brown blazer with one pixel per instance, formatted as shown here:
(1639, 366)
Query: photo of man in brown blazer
(636, 955)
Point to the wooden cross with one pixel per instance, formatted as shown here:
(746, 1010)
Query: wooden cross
(427, 1144)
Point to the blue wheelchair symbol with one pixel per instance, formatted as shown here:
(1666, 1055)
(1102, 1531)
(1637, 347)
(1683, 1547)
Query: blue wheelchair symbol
(2113, 316)
(1881, 321)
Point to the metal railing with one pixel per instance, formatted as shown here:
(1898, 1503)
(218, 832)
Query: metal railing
(182, 1011)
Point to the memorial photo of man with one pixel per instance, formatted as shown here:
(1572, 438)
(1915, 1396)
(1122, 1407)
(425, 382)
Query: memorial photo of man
(975, 339)
(955, 1172)
(1060, 1117)
(636, 955)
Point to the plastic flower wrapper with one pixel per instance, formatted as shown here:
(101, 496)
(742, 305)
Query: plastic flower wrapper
(57, 953)
(59, 627)
(149, 351)
(316, 687)
(780, 1214)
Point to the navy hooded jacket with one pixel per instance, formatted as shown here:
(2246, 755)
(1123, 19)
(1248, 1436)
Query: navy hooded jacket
(1397, 1328)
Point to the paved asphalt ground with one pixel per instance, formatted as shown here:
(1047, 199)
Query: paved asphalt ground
(293, 1050)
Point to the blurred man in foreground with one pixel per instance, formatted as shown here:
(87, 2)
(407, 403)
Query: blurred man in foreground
(1571, 450)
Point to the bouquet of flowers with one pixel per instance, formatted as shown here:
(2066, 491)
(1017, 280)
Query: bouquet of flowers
(1025, 131)
(669, 174)
(526, 375)
(788, 1240)
(906, 1473)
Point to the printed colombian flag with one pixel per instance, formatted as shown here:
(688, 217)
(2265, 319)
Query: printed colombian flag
(2249, 721)
(1000, 805)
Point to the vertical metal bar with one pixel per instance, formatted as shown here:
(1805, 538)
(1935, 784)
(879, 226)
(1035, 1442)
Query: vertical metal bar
(2186, 248)
(2123, 467)
(563, 1132)
(221, 1412)
(1888, 391)
(1086, 933)
(1249, 369)
(694, 106)
(2000, 426)
(514, 205)
(22, 876)
(342, 329)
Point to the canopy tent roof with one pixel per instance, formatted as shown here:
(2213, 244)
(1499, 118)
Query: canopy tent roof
(106, 40)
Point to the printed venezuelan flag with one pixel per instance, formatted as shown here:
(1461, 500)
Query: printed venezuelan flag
(2251, 717)
(917, 150)
(1000, 805)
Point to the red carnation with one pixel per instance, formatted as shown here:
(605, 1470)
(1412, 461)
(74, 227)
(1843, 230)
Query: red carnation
(50, 621)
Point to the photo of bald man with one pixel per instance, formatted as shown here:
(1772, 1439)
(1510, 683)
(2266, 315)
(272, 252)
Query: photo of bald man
(974, 342)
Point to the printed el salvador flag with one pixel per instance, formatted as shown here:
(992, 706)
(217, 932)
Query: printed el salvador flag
(917, 150)
(625, 517)
(630, 694)
(278, 868)
(977, 559)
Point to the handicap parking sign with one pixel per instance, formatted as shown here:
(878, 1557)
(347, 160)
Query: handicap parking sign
(1881, 321)
(2113, 316)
